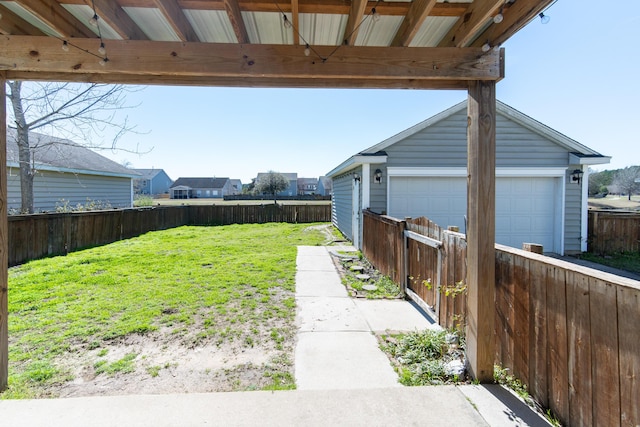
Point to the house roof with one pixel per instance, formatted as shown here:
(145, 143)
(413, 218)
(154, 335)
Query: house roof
(394, 44)
(215, 183)
(149, 173)
(62, 155)
(571, 145)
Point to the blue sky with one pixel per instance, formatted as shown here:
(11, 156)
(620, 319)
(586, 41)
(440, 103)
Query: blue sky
(576, 74)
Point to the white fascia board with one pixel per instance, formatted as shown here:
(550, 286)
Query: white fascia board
(462, 172)
(590, 160)
(355, 161)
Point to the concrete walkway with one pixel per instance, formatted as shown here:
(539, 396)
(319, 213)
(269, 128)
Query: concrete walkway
(343, 378)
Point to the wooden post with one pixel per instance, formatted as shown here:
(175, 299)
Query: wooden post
(481, 153)
(4, 241)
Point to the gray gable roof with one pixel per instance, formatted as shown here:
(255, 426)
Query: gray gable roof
(216, 183)
(63, 155)
(149, 173)
(377, 150)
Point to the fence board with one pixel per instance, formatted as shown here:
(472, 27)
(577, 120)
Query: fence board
(521, 318)
(628, 301)
(538, 338)
(579, 349)
(504, 320)
(604, 353)
(557, 333)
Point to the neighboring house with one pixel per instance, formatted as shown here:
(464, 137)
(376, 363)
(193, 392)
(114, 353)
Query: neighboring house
(307, 186)
(236, 187)
(324, 186)
(422, 172)
(152, 181)
(200, 188)
(292, 189)
(66, 175)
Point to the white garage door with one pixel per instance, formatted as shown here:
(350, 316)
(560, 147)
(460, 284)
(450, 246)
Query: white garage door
(526, 207)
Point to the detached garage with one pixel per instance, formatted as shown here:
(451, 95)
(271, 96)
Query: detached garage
(541, 180)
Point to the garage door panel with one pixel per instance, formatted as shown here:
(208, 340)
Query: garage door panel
(525, 207)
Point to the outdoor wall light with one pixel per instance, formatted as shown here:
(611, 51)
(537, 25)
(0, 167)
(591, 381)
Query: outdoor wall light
(576, 176)
(356, 177)
(377, 176)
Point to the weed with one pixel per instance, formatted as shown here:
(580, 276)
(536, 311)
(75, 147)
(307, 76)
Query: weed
(153, 371)
(124, 365)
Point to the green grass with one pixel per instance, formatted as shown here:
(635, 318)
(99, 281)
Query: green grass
(629, 261)
(235, 276)
(420, 357)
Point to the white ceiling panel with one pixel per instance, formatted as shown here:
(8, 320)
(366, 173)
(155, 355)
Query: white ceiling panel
(84, 13)
(30, 18)
(433, 29)
(323, 29)
(153, 23)
(211, 26)
(380, 32)
(267, 27)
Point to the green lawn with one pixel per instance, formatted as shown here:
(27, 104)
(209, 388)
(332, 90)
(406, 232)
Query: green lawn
(629, 261)
(197, 285)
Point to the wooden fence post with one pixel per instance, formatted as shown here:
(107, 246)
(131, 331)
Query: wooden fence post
(481, 204)
(4, 242)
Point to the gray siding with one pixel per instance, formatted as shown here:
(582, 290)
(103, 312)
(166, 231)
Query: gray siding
(572, 229)
(342, 203)
(50, 188)
(378, 193)
(444, 144)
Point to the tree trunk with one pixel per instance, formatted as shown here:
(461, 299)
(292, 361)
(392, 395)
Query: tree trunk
(24, 151)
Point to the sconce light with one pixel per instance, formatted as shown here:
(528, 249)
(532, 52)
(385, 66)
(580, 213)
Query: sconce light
(576, 176)
(356, 177)
(377, 176)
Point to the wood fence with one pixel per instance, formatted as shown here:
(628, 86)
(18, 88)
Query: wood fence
(568, 332)
(613, 232)
(39, 235)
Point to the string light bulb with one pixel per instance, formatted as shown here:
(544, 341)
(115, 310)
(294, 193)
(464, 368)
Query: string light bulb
(65, 46)
(101, 49)
(498, 18)
(544, 18)
(375, 15)
(103, 61)
(94, 20)
(486, 47)
(307, 50)
(287, 23)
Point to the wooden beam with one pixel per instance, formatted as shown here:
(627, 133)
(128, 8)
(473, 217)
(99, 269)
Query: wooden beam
(356, 14)
(177, 19)
(481, 166)
(57, 17)
(252, 82)
(516, 16)
(10, 23)
(111, 13)
(418, 12)
(468, 26)
(4, 242)
(295, 21)
(218, 60)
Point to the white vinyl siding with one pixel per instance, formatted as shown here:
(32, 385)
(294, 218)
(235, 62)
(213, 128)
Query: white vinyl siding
(51, 188)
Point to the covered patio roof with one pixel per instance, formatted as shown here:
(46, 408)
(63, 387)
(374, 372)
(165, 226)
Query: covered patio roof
(418, 44)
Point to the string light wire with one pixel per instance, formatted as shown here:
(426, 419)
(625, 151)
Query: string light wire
(289, 24)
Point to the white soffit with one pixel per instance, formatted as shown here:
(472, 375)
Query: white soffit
(153, 23)
(84, 13)
(378, 33)
(211, 26)
(432, 31)
(320, 29)
(30, 18)
(267, 28)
